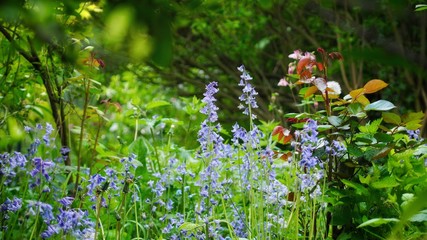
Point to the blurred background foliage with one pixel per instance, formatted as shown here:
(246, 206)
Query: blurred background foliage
(148, 58)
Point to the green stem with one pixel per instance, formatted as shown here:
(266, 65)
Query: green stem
(79, 158)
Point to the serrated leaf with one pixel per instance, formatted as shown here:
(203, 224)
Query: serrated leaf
(380, 105)
(386, 182)
(156, 104)
(392, 118)
(376, 222)
(374, 85)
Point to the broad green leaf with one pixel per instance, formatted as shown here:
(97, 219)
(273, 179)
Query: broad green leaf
(376, 222)
(188, 226)
(413, 116)
(413, 125)
(391, 118)
(420, 217)
(384, 137)
(421, 150)
(15, 129)
(335, 121)
(360, 189)
(156, 104)
(374, 85)
(355, 151)
(356, 110)
(386, 182)
(380, 105)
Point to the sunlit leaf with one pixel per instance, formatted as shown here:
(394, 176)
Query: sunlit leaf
(413, 125)
(310, 91)
(413, 116)
(356, 93)
(376, 222)
(156, 104)
(363, 100)
(374, 86)
(386, 182)
(188, 226)
(391, 118)
(380, 105)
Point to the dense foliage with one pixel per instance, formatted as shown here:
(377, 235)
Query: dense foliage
(102, 138)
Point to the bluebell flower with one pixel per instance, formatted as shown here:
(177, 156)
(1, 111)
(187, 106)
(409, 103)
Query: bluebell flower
(96, 182)
(27, 129)
(11, 205)
(336, 149)
(66, 201)
(50, 231)
(210, 109)
(414, 134)
(45, 210)
(309, 134)
(249, 93)
(48, 132)
(41, 167)
(33, 147)
(308, 160)
(64, 151)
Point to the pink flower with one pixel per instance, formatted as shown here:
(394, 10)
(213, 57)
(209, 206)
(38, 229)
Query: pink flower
(296, 55)
(283, 83)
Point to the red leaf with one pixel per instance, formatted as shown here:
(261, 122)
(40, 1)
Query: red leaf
(284, 136)
(303, 62)
(335, 55)
(305, 74)
(319, 66)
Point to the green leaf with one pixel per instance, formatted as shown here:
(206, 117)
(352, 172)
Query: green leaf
(420, 217)
(335, 121)
(356, 110)
(371, 127)
(355, 151)
(386, 182)
(392, 118)
(188, 226)
(140, 148)
(421, 150)
(380, 105)
(376, 222)
(360, 189)
(413, 125)
(420, 7)
(156, 104)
